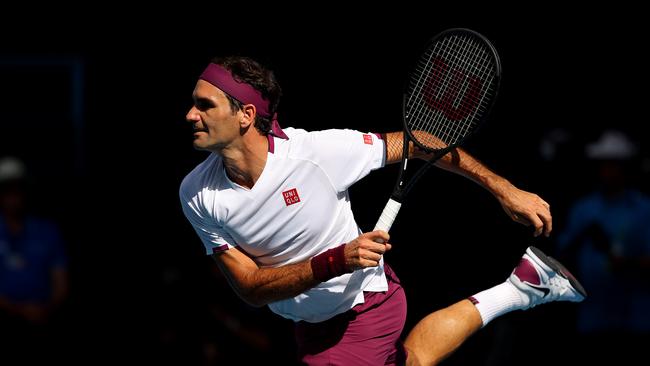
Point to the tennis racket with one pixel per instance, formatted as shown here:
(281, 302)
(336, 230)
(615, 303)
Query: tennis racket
(448, 95)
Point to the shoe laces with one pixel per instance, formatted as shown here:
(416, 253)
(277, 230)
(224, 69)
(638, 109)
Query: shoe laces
(559, 284)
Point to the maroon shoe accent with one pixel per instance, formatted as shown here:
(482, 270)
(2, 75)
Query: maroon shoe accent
(526, 272)
(473, 300)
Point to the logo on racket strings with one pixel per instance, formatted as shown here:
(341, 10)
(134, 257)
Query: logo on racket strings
(451, 91)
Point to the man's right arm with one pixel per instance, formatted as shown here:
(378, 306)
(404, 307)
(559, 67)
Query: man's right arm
(260, 286)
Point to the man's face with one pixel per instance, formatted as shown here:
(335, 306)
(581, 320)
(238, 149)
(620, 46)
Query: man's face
(215, 125)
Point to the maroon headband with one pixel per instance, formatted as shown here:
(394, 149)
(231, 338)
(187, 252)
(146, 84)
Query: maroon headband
(243, 92)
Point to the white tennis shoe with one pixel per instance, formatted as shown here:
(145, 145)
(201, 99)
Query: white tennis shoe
(541, 279)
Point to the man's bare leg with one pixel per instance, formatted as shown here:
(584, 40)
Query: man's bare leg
(440, 333)
(537, 279)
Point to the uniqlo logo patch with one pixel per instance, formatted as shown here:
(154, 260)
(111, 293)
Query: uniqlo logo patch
(367, 139)
(291, 196)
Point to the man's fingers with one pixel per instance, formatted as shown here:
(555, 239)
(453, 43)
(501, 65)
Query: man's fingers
(521, 219)
(369, 263)
(548, 223)
(371, 256)
(375, 247)
(538, 224)
(367, 249)
(379, 236)
(542, 222)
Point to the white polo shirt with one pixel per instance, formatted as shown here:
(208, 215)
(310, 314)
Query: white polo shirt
(299, 207)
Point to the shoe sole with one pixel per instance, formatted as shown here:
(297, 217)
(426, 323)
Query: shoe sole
(559, 268)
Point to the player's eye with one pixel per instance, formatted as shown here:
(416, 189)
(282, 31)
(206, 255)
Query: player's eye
(203, 104)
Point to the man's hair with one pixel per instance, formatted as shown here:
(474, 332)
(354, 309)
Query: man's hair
(246, 70)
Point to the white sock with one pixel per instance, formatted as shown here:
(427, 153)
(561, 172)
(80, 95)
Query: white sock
(498, 300)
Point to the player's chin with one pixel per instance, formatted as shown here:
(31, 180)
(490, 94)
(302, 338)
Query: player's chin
(200, 138)
(204, 144)
(199, 143)
(200, 147)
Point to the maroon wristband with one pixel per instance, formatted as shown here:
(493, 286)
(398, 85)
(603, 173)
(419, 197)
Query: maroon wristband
(329, 264)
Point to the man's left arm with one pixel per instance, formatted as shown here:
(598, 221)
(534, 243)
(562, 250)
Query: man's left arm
(524, 207)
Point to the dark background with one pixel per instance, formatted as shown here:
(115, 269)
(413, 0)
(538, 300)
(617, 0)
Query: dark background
(95, 105)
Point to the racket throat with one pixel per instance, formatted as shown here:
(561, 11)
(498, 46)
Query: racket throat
(399, 189)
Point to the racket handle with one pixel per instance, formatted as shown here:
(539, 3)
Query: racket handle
(388, 215)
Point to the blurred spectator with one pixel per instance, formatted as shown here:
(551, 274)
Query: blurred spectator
(33, 275)
(607, 235)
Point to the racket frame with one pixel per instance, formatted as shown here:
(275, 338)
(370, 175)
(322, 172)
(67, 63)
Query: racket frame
(401, 190)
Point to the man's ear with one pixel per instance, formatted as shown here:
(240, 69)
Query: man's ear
(248, 115)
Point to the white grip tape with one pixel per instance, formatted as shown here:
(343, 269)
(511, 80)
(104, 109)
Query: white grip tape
(388, 215)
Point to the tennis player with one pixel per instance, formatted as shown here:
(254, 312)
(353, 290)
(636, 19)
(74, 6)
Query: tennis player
(271, 206)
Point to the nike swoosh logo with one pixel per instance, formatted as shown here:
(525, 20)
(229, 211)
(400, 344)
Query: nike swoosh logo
(543, 289)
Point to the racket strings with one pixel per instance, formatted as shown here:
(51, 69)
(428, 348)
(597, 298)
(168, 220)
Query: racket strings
(465, 93)
(456, 89)
(449, 89)
(444, 130)
(472, 52)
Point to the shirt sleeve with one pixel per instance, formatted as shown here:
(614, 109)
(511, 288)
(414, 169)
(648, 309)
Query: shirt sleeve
(214, 238)
(346, 156)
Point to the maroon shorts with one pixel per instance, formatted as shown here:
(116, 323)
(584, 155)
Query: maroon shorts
(367, 334)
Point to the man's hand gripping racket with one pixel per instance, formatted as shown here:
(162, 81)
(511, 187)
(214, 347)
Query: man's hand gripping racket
(448, 95)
